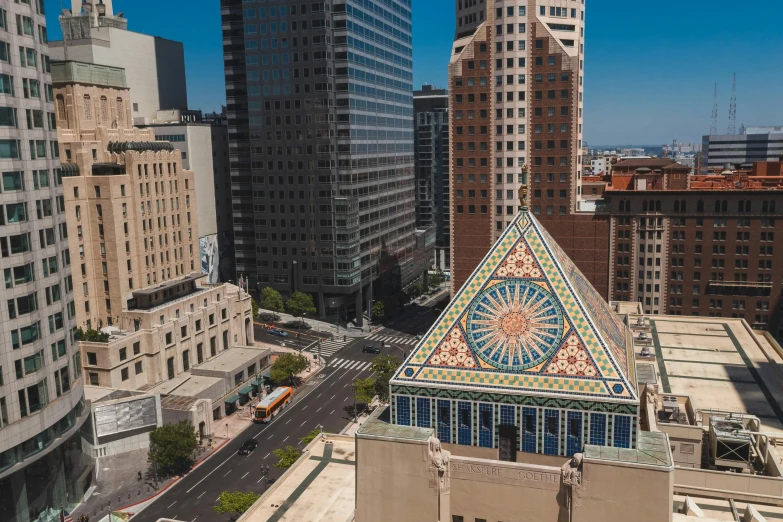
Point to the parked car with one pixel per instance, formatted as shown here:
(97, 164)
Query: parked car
(371, 349)
(419, 336)
(248, 446)
(278, 332)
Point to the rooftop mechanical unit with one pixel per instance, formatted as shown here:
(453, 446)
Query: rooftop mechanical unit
(735, 442)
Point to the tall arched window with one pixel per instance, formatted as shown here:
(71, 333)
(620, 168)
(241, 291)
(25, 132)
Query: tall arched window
(87, 107)
(61, 107)
(120, 111)
(104, 109)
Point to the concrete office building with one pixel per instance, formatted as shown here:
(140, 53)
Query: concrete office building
(320, 116)
(741, 150)
(42, 408)
(516, 84)
(155, 66)
(204, 146)
(431, 154)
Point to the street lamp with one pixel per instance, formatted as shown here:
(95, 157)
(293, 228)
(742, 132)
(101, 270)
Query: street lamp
(226, 430)
(265, 475)
(400, 348)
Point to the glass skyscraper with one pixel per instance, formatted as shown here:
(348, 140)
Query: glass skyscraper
(320, 113)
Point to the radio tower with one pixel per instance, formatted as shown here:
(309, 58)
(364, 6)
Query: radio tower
(733, 107)
(714, 124)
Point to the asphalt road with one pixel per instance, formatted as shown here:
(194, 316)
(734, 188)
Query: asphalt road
(321, 401)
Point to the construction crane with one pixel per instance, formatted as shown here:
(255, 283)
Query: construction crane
(733, 107)
(714, 123)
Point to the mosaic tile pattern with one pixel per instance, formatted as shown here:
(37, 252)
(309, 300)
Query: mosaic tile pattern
(526, 321)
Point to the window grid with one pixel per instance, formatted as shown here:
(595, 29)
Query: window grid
(444, 420)
(598, 429)
(464, 430)
(508, 416)
(403, 411)
(552, 436)
(622, 431)
(423, 419)
(529, 439)
(573, 442)
(486, 431)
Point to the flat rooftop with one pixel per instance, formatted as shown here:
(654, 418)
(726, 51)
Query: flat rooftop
(320, 487)
(178, 402)
(99, 393)
(379, 425)
(233, 358)
(196, 385)
(722, 364)
(166, 387)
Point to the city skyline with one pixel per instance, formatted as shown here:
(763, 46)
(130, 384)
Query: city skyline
(633, 80)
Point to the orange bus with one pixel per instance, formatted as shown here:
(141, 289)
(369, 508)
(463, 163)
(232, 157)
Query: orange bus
(272, 404)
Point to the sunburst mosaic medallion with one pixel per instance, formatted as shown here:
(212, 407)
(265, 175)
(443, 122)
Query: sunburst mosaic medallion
(514, 325)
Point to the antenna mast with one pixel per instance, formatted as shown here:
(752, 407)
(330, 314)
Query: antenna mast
(714, 123)
(733, 107)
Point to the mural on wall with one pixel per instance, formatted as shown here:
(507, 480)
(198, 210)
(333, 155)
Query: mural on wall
(208, 253)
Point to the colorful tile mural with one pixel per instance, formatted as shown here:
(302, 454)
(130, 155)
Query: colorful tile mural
(526, 322)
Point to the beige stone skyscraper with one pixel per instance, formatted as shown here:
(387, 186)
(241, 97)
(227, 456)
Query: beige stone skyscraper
(129, 203)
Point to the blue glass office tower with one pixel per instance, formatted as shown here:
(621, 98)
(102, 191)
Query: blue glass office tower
(320, 112)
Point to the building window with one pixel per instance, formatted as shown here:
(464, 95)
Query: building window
(87, 107)
(403, 411)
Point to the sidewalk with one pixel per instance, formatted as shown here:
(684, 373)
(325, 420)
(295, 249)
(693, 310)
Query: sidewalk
(352, 427)
(118, 486)
(323, 326)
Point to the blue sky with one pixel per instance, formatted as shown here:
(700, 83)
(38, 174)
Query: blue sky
(649, 68)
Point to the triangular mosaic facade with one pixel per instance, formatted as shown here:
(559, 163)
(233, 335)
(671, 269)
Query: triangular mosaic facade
(526, 322)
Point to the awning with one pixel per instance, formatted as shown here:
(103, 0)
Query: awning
(232, 399)
(246, 389)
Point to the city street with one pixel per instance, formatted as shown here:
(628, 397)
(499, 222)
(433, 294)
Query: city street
(321, 401)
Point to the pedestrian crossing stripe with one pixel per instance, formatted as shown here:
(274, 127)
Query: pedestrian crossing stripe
(348, 364)
(329, 347)
(393, 339)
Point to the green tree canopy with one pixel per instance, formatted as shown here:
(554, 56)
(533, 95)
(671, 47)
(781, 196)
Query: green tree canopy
(235, 502)
(378, 310)
(91, 336)
(287, 456)
(300, 304)
(271, 300)
(364, 390)
(307, 439)
(255, 308)
(437, 279)
(287, 367)
(384, 367)
(172, 447)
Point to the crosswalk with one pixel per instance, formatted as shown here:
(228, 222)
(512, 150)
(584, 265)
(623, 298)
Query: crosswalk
(392, 339)
(330, 347)
(347, 364)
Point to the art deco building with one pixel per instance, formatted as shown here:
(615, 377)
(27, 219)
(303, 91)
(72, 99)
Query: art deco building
(516, 87)
(320, 116)
(131, 210)
(42, 409)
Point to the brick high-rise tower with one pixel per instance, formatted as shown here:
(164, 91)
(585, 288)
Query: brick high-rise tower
(515, 104)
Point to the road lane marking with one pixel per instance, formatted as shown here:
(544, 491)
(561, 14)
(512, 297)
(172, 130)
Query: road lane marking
(319, 409)
(286, 438)
(245, 475)
(172, 504)
(270, 436)
(265, 456)
(227, 472)
(289, 420)
(200, 496)
(304, 408)
(285, 411)
(332, 397)
(303, 423)
(332, 412)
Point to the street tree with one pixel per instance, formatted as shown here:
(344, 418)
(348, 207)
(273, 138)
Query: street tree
(271, 300)
(300, 304)
(255, 308)
(287, 456)
(307, 439)
(437, 279)
(384, 367)
(235, 502)
(378, 310)
(363, 390)
(172, 447)
(287, 367)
